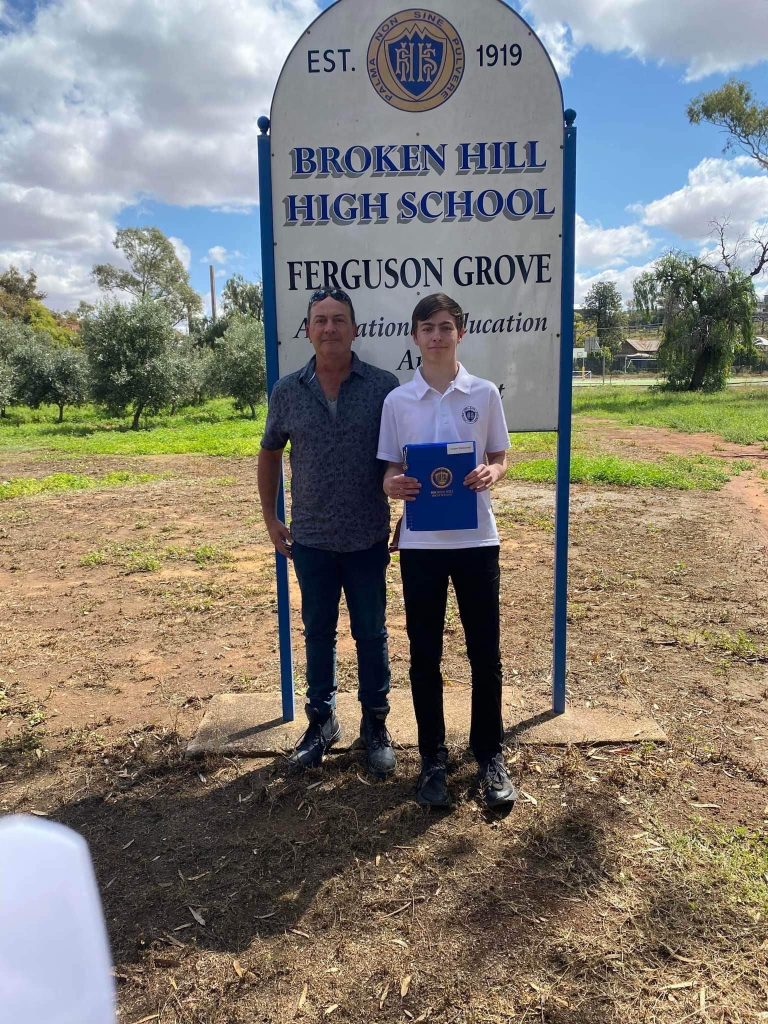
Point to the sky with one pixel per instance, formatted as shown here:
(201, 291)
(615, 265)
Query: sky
(143, 112)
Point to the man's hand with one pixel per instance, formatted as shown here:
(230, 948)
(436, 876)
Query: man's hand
(482, 477)
(280, 536)
(402, 487)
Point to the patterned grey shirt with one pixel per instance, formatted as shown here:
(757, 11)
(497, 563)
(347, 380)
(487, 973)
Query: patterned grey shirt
(336, 480)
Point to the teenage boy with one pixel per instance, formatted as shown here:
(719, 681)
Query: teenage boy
(330, 411)
(445, 403)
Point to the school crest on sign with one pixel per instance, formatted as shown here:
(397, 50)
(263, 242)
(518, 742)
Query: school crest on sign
(415, 60)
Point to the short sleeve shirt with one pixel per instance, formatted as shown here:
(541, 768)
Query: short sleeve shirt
(469, 410)
(337, 500)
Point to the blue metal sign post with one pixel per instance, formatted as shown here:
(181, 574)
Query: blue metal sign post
(270, 344)
(565, 404)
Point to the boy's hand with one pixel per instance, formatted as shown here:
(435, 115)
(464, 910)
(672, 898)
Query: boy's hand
(482, 477)
(401, 487)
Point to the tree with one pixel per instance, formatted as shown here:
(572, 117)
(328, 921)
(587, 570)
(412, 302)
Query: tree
(602, 309)
(128, 350)
(7, 386)
(16, 291)
(156, 273)
(582, 330)
(44, 320)
(239, 367)
(188, 372)
(30, 364)
(238, 297)
(732, 107)
(68, 382)
(241, 296)
(647, 298)
(45, 372)
(207, 332)
(707, 312)
(12, 334)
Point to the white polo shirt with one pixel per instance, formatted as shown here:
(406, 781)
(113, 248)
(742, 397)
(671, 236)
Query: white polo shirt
(469, 410)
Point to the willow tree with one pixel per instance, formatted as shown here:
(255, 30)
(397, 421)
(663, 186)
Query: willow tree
(707, 313)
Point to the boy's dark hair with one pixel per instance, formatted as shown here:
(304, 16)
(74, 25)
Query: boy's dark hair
(331, 293)
(434, 304)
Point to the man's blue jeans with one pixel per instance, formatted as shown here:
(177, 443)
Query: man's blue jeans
(322, 576)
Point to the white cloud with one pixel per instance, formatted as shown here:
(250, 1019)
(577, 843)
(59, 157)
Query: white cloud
(559, 45)
(730, 192)
(704, 35)
(717, 190)
(623, 279)
(216, 254)
(101, 104)
(182, 251)
(58, 236)
(64, 280)
(144, 98)
(598, 247)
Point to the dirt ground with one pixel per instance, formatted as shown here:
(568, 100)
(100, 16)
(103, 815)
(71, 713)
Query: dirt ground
(624, 886)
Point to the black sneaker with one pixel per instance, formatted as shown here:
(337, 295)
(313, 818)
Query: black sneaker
(432, 787)
(316, 741)
(495, 784)
(377, 741)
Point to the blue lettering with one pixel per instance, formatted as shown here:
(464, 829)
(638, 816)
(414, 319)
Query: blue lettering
(407, 207)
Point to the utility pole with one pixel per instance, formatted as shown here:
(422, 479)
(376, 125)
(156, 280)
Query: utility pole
(213, 292)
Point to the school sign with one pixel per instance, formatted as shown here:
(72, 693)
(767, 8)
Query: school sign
(416, 150)
(412, 150)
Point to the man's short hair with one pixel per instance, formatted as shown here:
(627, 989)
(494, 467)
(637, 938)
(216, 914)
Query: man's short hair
(330, 293)
(435, 304)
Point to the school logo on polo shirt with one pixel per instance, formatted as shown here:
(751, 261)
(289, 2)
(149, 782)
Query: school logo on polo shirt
(470, 414)
(415, 60)
(441, 477)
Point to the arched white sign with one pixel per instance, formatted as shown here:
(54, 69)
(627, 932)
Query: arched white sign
(417, 150)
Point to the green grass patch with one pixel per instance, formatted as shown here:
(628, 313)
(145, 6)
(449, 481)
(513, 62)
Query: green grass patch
(535, 441)
(736, 414)
(672, 471)
(739, 644)
(208, 553)
(733, 860)
(151, 557)
(24, 487)
(210, 429)
(521, 515)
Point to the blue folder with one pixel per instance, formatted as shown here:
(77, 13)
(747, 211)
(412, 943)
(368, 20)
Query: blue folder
(443, 503)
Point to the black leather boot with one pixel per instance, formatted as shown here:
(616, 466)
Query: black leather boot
(377, 742)
(496, 787)
(319, 737)
(432, 786)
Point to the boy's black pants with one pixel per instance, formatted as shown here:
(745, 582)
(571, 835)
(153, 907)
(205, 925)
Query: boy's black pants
(474, 573)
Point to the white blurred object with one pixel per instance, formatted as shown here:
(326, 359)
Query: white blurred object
(55, 964)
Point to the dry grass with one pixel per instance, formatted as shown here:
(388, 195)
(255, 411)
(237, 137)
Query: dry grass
(629, 884)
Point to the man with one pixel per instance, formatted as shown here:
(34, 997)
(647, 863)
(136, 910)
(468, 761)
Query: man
(445, 403)
(330, 412)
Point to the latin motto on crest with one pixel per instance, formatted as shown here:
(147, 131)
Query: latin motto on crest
(415, 60)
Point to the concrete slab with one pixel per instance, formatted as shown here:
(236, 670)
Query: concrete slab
(250, 724)
(625, 723)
